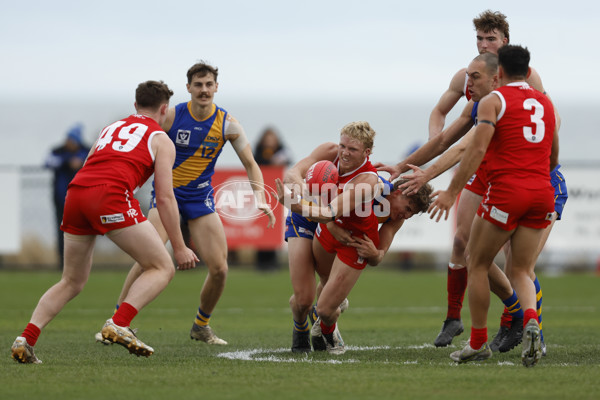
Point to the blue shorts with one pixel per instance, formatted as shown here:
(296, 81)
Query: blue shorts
(298, 226)
(560, 191)
(191, 205)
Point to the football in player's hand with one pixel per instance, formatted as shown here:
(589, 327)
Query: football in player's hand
(321, 177)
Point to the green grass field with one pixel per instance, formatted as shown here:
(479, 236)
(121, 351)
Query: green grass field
(390, 326)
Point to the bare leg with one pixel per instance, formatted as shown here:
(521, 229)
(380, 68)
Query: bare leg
(209, 237)
(323, 263)
(466, 210)
(486, 240)
(136, 270)
(302, 275)
(146, 247)
(523, 264)
(457, 272)
(76, 271)
(499, 283)
(341, 281)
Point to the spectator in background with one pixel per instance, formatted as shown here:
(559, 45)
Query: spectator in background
(65, 160)
(269, 150)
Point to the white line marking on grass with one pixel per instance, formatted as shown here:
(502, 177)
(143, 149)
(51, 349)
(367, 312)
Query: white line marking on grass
(284, 355)
(253, 355)
(422, 346)
(269, 355)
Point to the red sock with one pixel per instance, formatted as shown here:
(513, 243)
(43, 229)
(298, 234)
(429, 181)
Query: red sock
(327, 329)
(478, 337)
(124, 314)
(31, 333)
(530, 313)
(506, 318)
(456, 286)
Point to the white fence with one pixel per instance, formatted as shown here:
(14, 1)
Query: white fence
(10, 200)
(575, 240)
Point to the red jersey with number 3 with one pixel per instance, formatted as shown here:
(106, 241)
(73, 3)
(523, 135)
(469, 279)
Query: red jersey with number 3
(123, 155)
(521, 145)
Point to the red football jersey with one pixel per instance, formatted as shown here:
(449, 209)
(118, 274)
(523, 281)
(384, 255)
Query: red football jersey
(122, 156)
(364, 219)
(522, 142)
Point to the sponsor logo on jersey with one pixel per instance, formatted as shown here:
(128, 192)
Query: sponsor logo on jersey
(183, 138)
(499, 215)
(203, 184)
(112, 219)
(132, 213)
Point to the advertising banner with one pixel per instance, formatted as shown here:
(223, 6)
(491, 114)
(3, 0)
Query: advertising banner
(245, 225)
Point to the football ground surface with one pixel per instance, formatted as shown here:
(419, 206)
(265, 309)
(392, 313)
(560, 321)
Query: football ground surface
(389, 329)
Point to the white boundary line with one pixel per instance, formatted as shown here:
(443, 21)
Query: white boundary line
(275, 355)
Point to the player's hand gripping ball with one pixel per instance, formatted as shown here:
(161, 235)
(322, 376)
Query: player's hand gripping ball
(321, 179)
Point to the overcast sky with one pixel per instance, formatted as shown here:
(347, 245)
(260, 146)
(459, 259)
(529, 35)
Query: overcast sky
(281, 49)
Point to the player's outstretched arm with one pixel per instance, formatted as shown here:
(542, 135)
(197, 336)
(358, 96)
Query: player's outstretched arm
(487, 111)
(447, 101)
(435, 146)
(447, 160)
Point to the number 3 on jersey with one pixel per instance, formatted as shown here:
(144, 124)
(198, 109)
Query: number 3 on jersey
(540, 126)
(129, 136)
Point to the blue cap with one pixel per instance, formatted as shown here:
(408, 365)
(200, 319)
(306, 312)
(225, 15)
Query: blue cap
(75, 134)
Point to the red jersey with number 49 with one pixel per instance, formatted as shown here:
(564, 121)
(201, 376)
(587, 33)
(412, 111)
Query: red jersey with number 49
(122, 156)
(522, 142)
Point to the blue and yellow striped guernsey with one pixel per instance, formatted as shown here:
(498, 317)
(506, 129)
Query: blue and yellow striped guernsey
(198, 144)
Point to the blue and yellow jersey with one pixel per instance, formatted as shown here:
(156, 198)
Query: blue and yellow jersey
(198, 144)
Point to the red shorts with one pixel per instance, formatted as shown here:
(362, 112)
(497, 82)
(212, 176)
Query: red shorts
(347, 254)
(477, 184)
(96, 210)
(508, 206)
